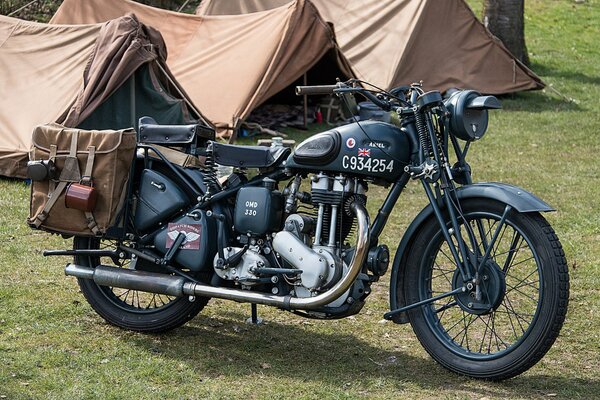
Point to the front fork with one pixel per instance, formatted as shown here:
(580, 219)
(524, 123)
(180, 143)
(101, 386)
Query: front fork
(469, 262)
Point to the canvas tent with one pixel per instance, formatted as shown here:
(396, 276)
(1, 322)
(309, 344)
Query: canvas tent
(395, 42)
(90, 76)
(229, 65)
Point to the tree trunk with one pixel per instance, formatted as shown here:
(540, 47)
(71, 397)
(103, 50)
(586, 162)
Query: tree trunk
(505, 19)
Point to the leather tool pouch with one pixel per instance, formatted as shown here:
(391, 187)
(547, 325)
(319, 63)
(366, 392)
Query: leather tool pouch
(80, 178)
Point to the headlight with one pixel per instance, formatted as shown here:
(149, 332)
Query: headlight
(469, 116)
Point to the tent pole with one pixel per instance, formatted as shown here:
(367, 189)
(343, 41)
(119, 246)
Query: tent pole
(132, 100)
(22, 8)
(183, 97)
(305, 101)
(183, 5)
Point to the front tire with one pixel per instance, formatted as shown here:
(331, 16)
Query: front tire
(527, 293)
(132, 309)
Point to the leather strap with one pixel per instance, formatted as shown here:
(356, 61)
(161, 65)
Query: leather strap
(178, 157)
(87, 173)
(52, 157)
(91, 222)
(70, 172)
(53, 196)
(87, 179)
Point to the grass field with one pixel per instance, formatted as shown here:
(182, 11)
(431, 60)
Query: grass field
(52, 345)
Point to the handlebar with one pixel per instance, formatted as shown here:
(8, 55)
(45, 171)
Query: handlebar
(341, 88)
(318, 89)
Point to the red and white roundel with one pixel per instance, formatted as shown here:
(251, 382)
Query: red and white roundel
(350, 143)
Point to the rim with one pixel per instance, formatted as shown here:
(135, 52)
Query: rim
(128, 299)
(499, 331)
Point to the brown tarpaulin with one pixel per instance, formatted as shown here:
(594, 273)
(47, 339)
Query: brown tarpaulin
(395, 42)
(62, 73)
(228, 64)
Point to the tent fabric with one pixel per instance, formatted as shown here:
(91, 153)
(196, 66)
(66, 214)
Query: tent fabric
(229, 65)
(145, 93)
(41, 71)
(121, 48)
(62, 73)
(391, 43)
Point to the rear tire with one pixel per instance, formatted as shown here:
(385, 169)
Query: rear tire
(530, 297)
(131, 309)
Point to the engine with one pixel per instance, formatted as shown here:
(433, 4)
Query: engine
(303, 255)
(314, 244)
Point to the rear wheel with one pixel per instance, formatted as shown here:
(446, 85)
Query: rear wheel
(132, 309)
(524, 293)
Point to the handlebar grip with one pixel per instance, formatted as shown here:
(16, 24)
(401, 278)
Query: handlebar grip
(311, 90)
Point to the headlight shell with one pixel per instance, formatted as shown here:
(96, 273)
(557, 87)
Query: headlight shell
(466, 122)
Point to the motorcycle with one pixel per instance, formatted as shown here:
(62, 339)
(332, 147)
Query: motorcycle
(479, 273)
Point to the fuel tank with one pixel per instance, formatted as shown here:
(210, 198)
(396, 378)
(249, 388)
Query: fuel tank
(370, 148)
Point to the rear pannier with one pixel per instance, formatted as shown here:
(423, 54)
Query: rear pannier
(79, 178)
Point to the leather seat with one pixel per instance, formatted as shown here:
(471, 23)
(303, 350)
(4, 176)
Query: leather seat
(152, 132)
(248, 156)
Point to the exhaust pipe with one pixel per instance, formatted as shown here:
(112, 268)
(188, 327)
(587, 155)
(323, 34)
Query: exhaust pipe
(179, 286)
(105, 275)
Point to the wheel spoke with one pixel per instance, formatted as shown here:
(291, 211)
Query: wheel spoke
(512, 325)
(482, 234)
(523, 283)
(446, 255)
(498, 241)
(521, 292)
(446, 306)
(444, 274)
(508, 305)
(521, 262)
(457, 323)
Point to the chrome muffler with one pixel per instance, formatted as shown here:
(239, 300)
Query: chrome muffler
(178, 286)
(152, 282)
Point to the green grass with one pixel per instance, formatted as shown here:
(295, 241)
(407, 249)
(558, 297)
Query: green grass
(52, 345)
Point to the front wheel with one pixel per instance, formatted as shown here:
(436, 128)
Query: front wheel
(132, 309)
(523, 297)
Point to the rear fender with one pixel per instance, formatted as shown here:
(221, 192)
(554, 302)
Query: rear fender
(518, 198)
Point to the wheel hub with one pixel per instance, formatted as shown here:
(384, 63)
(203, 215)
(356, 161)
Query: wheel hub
(492, 286)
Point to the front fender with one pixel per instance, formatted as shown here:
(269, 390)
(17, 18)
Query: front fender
(518, 198)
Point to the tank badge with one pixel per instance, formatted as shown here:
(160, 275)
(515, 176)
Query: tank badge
(350, 143)
(191, 232)
(378, 145)
(364, 152)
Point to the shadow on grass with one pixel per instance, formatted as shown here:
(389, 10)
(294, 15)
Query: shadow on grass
(576, 77)
(537, 101)
(225, 346)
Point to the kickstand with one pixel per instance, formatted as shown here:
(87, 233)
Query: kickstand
(254, 319)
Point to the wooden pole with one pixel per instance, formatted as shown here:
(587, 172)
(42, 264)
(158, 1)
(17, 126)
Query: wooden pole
(305, 101)
(22, 8)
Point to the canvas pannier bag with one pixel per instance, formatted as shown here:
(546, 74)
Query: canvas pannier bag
(91, 168)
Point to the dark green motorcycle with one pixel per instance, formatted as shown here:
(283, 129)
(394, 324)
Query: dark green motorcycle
(479, 274)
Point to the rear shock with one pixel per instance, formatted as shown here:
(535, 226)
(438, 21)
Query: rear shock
(210, 172)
